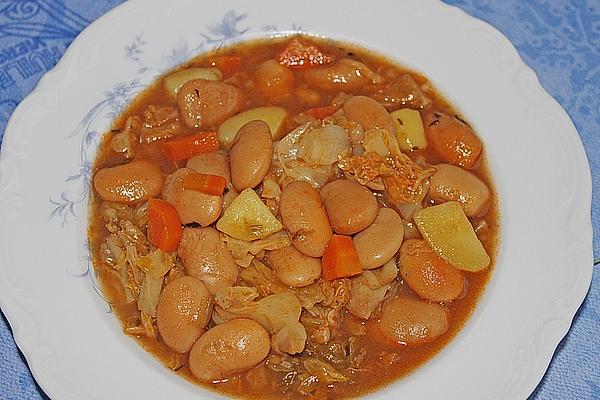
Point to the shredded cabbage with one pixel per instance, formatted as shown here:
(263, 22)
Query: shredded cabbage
(270, 188)
(369, 289)
(261, 277)
(323, 371)
(310, 152)
(157, 264)
(324, 317)
(149, 324)
(140, 267)
(405, 180)
(310, 295)
(123, 141)
(160, 122)
(323, 145)
(149, 295)
(402, 91)
(382, 142)
(244, 251)
(278, 313)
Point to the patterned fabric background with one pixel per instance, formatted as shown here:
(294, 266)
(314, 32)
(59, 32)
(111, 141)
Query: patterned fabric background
(559, 39)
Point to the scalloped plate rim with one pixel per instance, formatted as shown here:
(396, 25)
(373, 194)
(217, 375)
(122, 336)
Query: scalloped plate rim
(12, 312)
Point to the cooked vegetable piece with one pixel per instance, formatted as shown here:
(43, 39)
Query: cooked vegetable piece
(123, 142)
(409, 129)
(369, 289)
(402, 91)
(205, 183)
(273, 116)
(183, 311)
(192, 206)
(454, 183)
(129, 183)
(323, 371)
(304, 218)
(321, 112)
(429, 276)
(451, 236)
(350, 206)
(308, 153)
(206, 104)
(186, 147)
(340, 259)
(453, 140)
(226, 349)
(173, 82)
(214, 163)
(206, 257)
(157, 263)
(368, 113)
(244, 251)
(278, 313)
(381, 142)
(298, 54)
(160, 122)
(248, 218)
(407, 321)
(347, 74)
(164, 226)
(149, 295)
(323, 145)
(404, 180)
(308, 97)
(228, 65)
(294, 268)
(273, 81)
(379, 242)
(250, 156)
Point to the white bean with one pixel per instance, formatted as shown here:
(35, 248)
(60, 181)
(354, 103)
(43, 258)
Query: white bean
(378, 243)
(206, 257)
(183, 310)
(350, 206)
(229, 348)
(294, 268)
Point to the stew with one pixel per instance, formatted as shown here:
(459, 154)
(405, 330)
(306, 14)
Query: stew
(292, 218)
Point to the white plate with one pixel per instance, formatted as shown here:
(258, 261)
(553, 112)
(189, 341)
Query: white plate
(76, 349)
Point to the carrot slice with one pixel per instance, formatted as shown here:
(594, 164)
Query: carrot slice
(321, 112)
(228, 65)
(189, 146)
(164, 225)
(302, 55)
(340, 259)
(205, 183)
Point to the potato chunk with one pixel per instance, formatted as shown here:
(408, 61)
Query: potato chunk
(273, 116)
(248, 218)
(409, 129)
(451, 236)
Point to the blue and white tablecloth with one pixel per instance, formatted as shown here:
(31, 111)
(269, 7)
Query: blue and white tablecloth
(559, 39)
